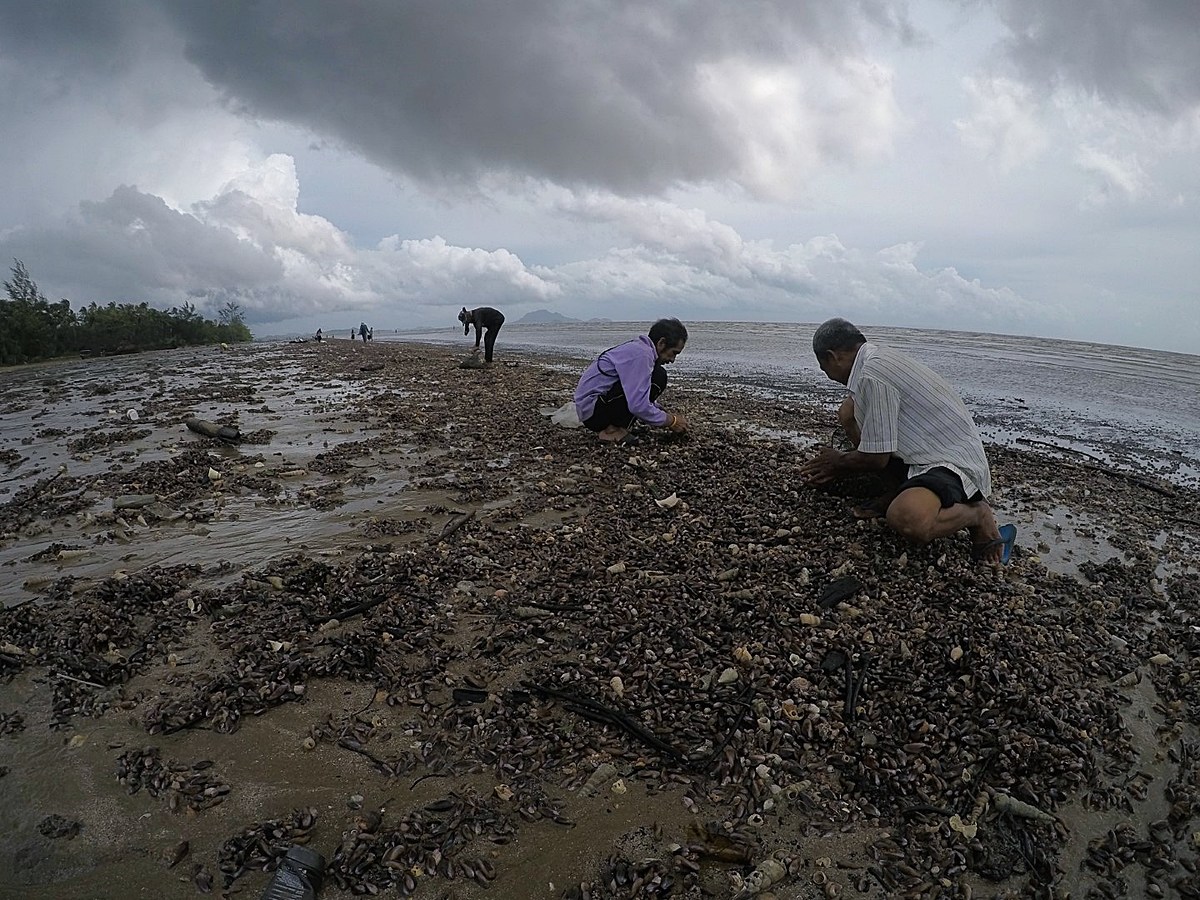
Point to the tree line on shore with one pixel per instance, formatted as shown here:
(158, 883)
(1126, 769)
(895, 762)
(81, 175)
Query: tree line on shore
(32, 328)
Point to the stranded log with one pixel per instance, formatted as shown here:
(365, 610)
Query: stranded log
(225, 433)
(133, 501)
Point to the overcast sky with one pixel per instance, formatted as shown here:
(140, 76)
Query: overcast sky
(1018, 166)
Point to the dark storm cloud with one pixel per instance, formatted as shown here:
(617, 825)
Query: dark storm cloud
(578, 93)
(1140, 54)
(80, 36)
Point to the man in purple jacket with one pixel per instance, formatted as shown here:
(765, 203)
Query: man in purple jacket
(624, 381)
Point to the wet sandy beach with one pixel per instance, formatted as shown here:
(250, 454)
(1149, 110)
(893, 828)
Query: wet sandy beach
(464, 653)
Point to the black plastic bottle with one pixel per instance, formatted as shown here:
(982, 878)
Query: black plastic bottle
(298, 876)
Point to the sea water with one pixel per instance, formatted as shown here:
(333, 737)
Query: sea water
(1130, 408)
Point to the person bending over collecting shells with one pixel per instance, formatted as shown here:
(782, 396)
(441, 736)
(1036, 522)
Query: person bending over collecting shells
(482, 317)
(908, 424)
(624, 381)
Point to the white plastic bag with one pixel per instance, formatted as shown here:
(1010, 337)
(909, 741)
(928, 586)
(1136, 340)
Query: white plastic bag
(565, 416)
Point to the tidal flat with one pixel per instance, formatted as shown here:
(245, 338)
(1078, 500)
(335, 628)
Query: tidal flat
(462, 652)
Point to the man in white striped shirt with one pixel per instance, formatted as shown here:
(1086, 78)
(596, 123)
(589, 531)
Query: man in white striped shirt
(906, 422)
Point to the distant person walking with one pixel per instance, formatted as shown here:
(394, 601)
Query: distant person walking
(624, 382)
(907, 424)
(362, 330)
(317, 337)
(482, 317)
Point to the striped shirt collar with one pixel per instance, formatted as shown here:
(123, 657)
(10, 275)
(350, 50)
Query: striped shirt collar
(865, 352)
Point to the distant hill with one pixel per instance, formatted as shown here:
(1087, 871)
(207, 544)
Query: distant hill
(545, 317)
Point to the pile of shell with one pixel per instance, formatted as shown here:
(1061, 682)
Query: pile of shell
(118, 629)
(52, 497)
(448, 839)
(10, 722)
(261, 847)
(98, 439)
(194, 786)
(184, 478)
(383, 527)
(620, 878)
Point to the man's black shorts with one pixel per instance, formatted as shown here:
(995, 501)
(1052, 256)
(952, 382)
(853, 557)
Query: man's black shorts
(944, 482)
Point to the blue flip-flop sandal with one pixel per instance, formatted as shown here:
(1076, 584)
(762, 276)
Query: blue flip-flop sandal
(1008, 534)
(1007, 540)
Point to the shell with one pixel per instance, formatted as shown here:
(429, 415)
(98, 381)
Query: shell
(1019, 808)
(603, 773)
(966, 829)
(768, 872)
(1129, 679)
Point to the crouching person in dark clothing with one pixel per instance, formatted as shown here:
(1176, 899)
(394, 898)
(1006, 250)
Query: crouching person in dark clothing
(482, 317)
(625, 381)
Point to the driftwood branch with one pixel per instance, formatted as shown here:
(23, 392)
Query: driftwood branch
(1165, 490)
(355, 747)
(1033, 443)
(42, 485)
(454, 525)
(226, 433)
(593, 709)
(357, 610)
(79, 680)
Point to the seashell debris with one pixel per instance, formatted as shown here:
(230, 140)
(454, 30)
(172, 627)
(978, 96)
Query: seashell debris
(603, 773)
(1019, 808)
(668, 502)
(767, 873)
(966, 829)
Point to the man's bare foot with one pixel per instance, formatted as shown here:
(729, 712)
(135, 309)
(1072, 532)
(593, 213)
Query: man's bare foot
(873, 509)
(986, 543)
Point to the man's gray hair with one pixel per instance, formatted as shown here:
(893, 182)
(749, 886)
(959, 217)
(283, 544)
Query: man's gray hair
(836, 334)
